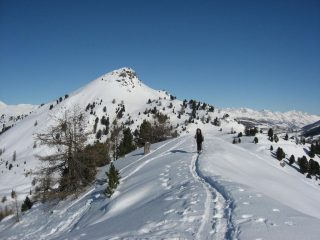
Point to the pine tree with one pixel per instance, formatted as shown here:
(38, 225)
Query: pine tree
(271, 148)
(280, 154)
(313, 167)
(255, 140)
(312, 152)
(270, 133)
(194, 109)
(291, 160)
(99, 134)
(303, 164)
(126, 145)
(286, 137)
(275, 137)
(26, 205)
(113, 180)
(145, 132)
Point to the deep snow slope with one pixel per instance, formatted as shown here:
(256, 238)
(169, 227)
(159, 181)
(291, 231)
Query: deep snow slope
(227, 192)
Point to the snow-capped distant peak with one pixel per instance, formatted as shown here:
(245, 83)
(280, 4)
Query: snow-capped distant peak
(2, 104)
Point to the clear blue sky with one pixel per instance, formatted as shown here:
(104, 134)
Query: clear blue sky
(257, 54)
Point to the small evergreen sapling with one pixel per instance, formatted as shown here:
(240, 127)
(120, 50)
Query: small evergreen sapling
(291, 160)
(280, 154)
(113, 180)
(26, 205)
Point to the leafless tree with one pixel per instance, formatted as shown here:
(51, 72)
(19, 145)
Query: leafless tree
(69, 162)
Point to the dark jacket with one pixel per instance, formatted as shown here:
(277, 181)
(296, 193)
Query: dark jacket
(199, 137)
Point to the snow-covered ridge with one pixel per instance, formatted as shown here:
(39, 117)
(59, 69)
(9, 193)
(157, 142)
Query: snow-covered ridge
(289, 119)
(11, 114)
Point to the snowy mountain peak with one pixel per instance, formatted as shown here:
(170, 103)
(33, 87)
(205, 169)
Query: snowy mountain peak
(125, 76)
(2, 104)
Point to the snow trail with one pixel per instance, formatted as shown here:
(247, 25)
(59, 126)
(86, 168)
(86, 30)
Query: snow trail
(153, 158)
(213, 223)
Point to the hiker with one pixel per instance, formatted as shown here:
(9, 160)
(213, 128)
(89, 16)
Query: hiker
(199, 139)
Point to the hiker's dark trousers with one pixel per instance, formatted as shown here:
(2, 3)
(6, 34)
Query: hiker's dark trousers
(199, 146)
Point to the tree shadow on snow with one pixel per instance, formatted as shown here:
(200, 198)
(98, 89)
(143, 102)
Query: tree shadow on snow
(138, 154)
(306, 151)
(179, 151)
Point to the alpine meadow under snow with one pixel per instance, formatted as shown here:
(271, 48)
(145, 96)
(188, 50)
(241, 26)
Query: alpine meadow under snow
(239, 187)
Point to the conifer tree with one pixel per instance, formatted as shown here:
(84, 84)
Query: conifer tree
(113, 180)
(313, 167)
(255, 140)
(270, 133)
(280, 154)
(145, 133)
(291, 160)
(26, 205)
(126, 145)
(73, 169)
(303, 164)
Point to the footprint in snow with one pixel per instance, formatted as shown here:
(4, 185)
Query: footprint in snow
(260, 220)
(273, 224)
(289, 223)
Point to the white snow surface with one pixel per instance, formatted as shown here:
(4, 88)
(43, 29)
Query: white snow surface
(227, 192)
